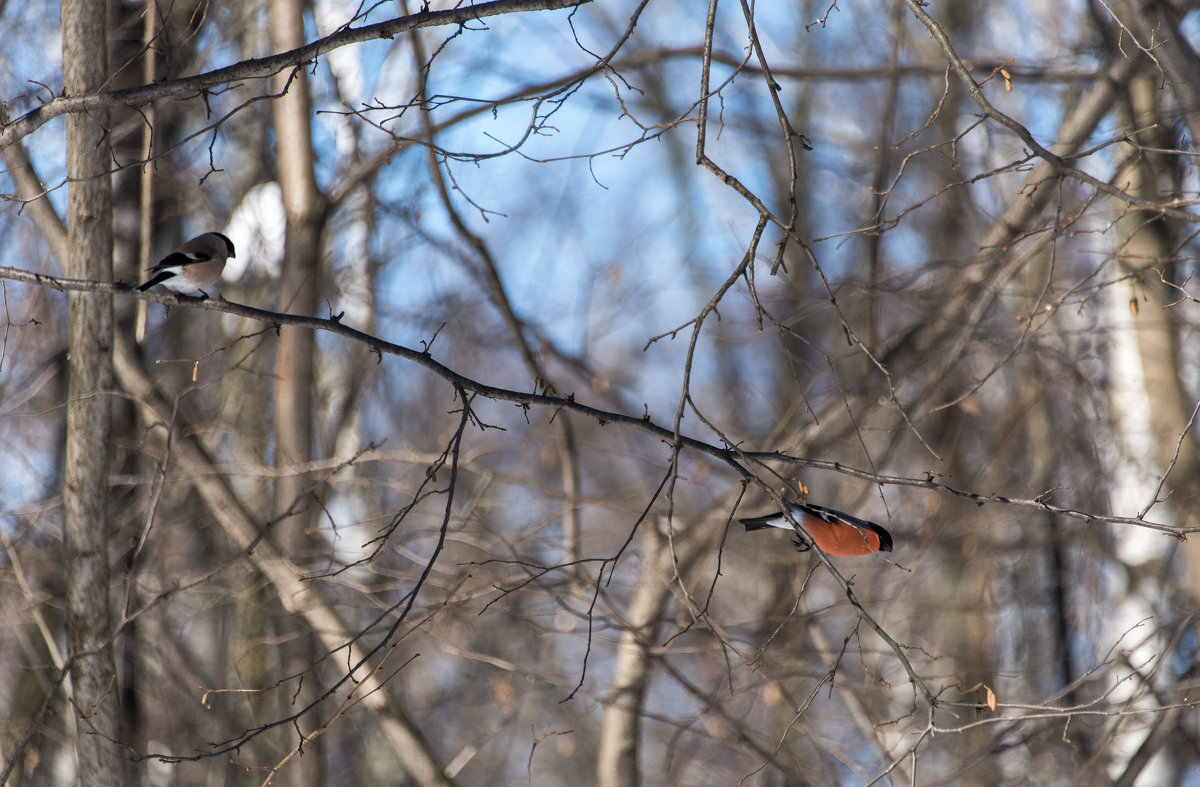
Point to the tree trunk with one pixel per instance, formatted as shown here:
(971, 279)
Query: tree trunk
(621, 729)
(304, 208)
(85, 481)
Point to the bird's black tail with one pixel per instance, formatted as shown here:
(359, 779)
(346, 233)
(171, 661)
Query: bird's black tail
(162, 276)
(758, 522)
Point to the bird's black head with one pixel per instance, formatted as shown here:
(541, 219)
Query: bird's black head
(228, 243)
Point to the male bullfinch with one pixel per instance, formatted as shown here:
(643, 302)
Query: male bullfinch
(194, 266)
(834, 532)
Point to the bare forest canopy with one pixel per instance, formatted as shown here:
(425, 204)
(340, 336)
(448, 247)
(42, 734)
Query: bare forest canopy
(532, 302)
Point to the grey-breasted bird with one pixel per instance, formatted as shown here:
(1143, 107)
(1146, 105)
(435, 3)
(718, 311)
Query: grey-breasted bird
(194, 266)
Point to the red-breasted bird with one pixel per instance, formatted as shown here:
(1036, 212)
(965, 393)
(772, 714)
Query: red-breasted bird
(834, 532)
(194, 266)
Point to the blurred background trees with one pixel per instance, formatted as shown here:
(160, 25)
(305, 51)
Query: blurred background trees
(933, 262)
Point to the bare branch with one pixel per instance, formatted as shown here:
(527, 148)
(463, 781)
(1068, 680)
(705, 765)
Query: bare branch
(262, 67)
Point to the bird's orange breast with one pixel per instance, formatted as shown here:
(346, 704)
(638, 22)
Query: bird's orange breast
(842, 539)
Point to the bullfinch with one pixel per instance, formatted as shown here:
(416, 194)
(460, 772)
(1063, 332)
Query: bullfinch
(194, 266)
(832, 531)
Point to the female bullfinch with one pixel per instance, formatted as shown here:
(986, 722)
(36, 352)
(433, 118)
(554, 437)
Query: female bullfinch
(832, 531)
(194, 266)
